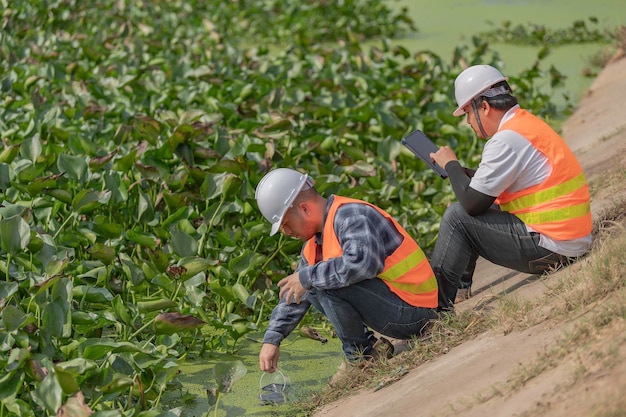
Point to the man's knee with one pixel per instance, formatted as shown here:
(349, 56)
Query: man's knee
(453, 215)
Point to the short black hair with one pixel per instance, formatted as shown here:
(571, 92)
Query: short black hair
(502, 101)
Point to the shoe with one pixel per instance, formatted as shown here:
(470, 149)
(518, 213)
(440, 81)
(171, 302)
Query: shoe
(341, 374)
(383, 348)
(463, 294)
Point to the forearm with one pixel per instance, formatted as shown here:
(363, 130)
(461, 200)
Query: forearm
(474, 202)
(284, 319)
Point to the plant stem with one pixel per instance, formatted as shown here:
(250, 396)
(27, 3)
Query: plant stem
(70, 217)
(274, 254)
(217, 402)
(209, 227)
(141, 329)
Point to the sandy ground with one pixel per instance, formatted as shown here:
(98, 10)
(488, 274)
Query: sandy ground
(472, 378)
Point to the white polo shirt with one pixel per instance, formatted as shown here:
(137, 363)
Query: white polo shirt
(510, 163)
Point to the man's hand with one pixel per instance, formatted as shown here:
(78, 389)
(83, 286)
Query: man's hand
(444, 155)
(291, 288)
(268, 357)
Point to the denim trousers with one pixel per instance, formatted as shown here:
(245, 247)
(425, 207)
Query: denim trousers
(369, 304)
(495, 235)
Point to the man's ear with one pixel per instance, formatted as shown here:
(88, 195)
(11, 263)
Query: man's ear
(304, 206)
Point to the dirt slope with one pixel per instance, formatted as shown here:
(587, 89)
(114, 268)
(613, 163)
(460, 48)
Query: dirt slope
(487, 376)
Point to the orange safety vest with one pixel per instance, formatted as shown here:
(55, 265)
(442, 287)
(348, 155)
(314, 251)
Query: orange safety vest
(559, 206)
(406, 272)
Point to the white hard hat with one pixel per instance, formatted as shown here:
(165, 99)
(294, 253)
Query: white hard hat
(473, 81)
(276, 192)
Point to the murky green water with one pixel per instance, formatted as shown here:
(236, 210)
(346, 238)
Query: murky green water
(306, 363)
(442, 26)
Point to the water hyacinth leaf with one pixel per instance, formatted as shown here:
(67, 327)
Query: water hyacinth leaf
(169, 323)
(102, 252)
(96, 349)
(194, 265)
(7, 289)
(13, 318)
(147, 128)
(98, 162)
(126, 162)
(247, 261)
(88, 200)
(36, 244)
(56, 266)
(145, 208)
(14, 234)
(94, 274)
(62, 195)
(142, 238)
(131, 270)
(182, 244)
(68, 383)
(223, 291)
(159, 258)
(9, 153)
(190, 116)
(91, 294)
(117, 187)
(88, 320)
(148, 306)
(231, 185)
(5, 176)
(227, 373)
(77, 366)
(354, 152)
(75, 406)
(109, 229)
(241, 292)
(48, 395)
(9, 385)
(227, 165)
(119, 383)
(31, 148)
(38, 184)
(179, 214)
(17, 358)
(55, 320)
(121, 310)
(360, 169)
(74, 167)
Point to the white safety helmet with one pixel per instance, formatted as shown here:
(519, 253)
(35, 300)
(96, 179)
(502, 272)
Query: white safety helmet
(276, 192)
(473, 81)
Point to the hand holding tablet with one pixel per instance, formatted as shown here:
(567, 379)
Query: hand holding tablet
(418, 143)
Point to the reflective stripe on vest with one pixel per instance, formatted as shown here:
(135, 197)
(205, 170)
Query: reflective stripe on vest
(406, 272)
(558, 207)
(393, 273)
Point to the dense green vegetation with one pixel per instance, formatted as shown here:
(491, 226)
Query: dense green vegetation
(134, 134)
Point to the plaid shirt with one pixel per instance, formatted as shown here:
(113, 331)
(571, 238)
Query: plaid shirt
(367, 239)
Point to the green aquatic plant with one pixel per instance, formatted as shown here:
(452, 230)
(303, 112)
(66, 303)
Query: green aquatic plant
(226, 374)
(133, 137)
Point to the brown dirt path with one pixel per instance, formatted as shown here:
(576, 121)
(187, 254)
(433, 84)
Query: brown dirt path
(475, 378)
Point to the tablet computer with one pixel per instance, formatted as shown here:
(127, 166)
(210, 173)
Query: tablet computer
(418, 143)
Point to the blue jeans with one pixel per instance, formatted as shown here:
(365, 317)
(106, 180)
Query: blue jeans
(497, 236)
(371, 304)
